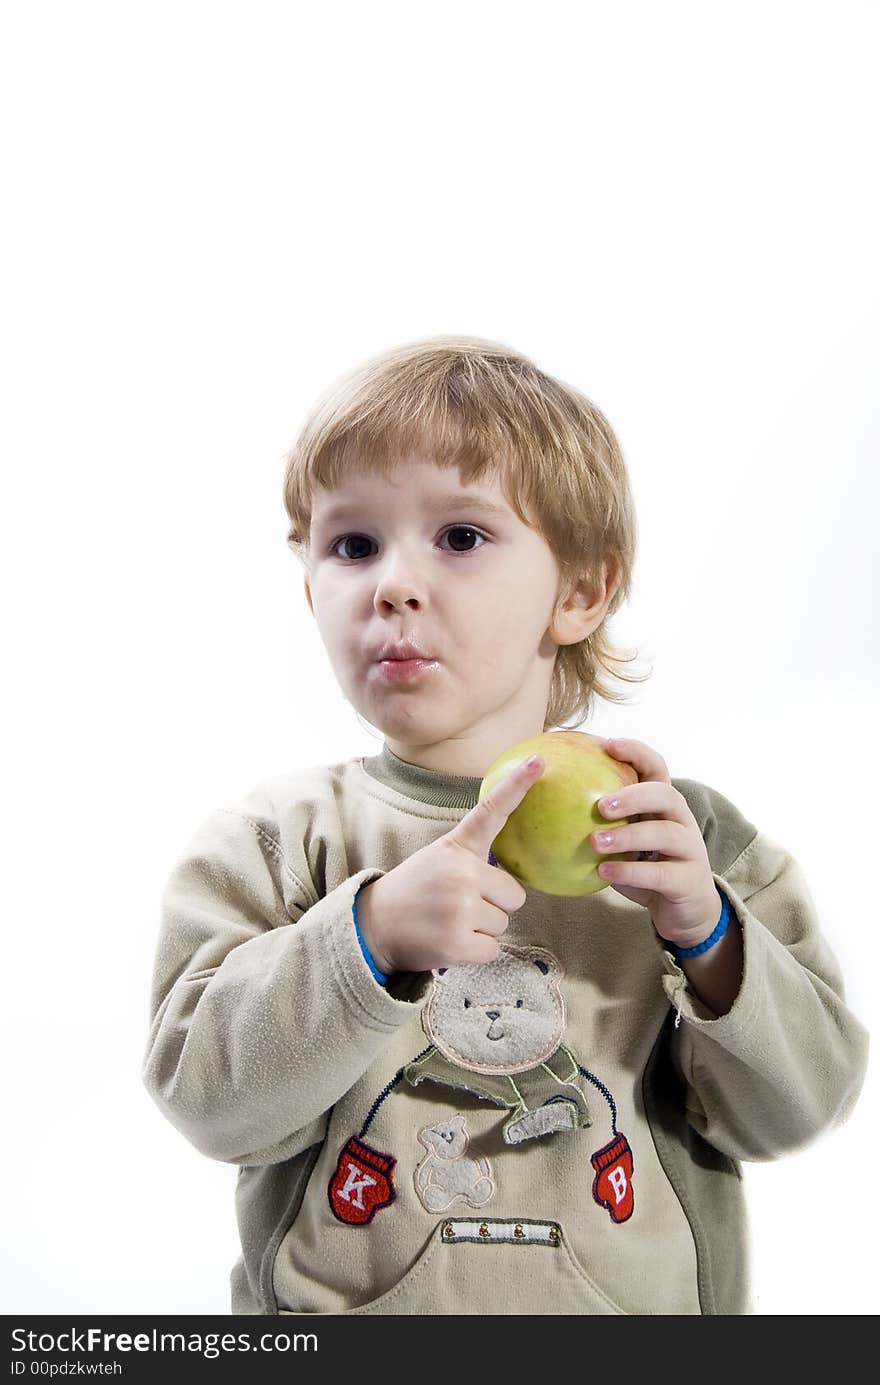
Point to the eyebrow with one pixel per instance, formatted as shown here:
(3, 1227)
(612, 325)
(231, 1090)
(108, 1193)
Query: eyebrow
(458, 500)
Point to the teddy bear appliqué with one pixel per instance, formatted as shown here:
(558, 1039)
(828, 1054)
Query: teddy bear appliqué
(496, 1030)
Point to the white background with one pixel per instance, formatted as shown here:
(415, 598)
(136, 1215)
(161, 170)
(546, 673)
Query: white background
(212, 211)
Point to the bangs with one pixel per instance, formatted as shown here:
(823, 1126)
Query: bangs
(445, 421)
(378, 447)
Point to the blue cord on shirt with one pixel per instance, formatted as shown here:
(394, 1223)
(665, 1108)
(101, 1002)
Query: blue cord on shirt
(379, 975)
(718, 932)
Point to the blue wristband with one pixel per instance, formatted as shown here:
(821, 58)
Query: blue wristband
(718, 932)
(379, 975)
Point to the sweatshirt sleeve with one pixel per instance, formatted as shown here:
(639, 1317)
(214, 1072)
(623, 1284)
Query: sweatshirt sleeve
(788, 1060)
(263, 1009)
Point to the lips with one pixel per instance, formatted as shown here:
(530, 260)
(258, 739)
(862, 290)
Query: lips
(405, 670)
(401, 650)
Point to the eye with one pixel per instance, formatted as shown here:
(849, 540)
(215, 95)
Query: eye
(519, 1005)
(362, 538)
(467, 1004)
(349, 538)
(465, 529)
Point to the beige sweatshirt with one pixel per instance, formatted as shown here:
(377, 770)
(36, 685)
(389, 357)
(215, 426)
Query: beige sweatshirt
(558, 1132)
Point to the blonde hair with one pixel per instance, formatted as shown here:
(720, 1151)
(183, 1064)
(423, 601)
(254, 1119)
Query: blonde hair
(483, 408)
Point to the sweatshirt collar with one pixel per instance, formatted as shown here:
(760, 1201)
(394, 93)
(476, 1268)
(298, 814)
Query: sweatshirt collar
(426, 785)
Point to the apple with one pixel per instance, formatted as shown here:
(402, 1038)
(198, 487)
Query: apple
(545, 841)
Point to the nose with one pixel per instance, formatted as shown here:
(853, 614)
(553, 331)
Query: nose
(399, 586)
(492, 1014)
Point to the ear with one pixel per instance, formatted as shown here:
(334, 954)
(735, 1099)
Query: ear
(581, 611)
(546, 962)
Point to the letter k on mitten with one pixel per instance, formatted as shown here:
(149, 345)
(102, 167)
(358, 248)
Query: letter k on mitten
(362, 1183)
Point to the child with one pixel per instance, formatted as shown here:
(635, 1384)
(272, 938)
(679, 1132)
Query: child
(446, 1093)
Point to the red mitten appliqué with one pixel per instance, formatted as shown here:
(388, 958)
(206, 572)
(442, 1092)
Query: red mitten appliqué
(612, 1186)
(362, 1183)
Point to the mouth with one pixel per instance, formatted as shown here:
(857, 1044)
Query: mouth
(401, 670)
(402, 649)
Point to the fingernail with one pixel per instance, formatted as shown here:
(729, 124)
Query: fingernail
(609, 805)
(533, 761)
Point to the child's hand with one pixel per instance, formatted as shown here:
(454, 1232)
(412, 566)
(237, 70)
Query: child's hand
(446, 905)
(675, 882)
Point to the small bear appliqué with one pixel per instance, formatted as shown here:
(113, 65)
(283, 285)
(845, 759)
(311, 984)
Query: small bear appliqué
(447, 1174)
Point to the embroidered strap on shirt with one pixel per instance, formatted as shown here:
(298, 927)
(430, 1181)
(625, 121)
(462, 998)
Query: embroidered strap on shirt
(507, 1232)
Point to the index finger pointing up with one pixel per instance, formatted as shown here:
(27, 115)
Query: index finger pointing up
(479, 827)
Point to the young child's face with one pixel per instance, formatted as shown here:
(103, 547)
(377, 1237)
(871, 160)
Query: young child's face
(474, 589)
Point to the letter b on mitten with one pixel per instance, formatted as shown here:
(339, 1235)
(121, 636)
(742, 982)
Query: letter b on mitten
(612, 1186)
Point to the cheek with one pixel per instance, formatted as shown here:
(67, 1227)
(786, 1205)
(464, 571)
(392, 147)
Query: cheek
(518, 598)
(332, 609)
(493, 614)
(504, 637)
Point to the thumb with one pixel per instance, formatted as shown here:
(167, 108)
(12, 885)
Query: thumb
(478, 828)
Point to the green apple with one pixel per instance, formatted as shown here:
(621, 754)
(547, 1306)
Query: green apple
(545, 841)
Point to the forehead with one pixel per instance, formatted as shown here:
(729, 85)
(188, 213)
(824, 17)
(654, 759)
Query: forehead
(421, 484)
